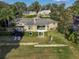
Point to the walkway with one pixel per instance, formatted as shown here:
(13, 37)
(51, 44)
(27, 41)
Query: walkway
(35, 44)
(50, 45)
(8, 44)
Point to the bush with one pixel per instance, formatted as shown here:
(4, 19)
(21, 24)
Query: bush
(31, 34)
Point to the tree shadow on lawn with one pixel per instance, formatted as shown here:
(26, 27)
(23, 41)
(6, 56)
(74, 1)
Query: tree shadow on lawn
(5, 49)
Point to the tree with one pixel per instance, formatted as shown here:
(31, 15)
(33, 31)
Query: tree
(11, 12)
(75, 8)
(54, 12)
(57, 12)
(6, 15)
(21, 5)
(46, 7)
(36, 6)
(20, 8)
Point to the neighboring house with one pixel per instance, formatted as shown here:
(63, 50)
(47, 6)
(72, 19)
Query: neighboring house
(29, 13)
(44, 12)
(37, 25)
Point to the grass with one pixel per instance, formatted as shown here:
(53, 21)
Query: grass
(64, 53)
(29, 52)
(57, 38)
(29, 16)
(35, 39)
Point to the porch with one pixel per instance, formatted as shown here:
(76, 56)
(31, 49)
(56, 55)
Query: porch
(41, 30)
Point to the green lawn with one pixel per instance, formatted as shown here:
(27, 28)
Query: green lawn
(30, 52)
(57, 38)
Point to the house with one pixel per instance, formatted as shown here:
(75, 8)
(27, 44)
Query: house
(37, 25)
(44, 13)
(29, 13)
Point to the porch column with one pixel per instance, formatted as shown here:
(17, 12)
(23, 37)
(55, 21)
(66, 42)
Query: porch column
(43, 34)
(40, 35)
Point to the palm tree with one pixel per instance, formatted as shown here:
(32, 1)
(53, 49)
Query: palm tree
(54, 12)
(36, 6)
(20, 8)
(46, 7)
(6, 15)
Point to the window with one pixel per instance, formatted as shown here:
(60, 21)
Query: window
(29, 27)
(41, 27)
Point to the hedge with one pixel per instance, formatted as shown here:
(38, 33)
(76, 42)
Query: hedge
(34, 34)
(30, 33)
(29, 16)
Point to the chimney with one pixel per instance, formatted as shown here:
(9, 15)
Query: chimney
(35, 20)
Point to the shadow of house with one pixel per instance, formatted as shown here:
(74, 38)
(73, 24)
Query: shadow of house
(5, 49)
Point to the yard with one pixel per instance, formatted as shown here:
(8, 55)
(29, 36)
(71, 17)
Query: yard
(57, 38)
(31, 52)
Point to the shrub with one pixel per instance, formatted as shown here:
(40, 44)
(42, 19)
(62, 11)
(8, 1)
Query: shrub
(31, 34)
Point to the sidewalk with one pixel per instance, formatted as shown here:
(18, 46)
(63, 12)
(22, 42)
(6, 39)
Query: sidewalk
(50, 45)
(8, 44)
(34, 44)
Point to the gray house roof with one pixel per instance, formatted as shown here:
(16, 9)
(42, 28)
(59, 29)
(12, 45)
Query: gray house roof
(36, 21)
